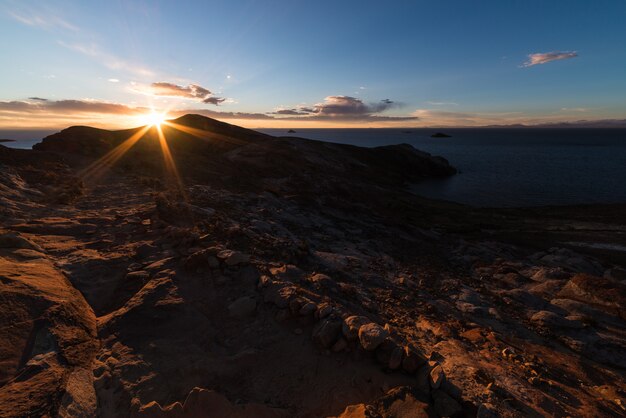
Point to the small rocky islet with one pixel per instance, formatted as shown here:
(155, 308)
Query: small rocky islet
(283, 277)
(440, 135)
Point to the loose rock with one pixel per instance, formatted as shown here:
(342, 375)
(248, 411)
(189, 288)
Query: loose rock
(233, 258)
(437, 377)
(326, 332)
(372, 335)
(351, 325)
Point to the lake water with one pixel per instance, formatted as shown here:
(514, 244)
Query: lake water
(21, 143)
(510, 167)
(24, 139)
(498, 167)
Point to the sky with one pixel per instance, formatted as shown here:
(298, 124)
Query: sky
(294, 63)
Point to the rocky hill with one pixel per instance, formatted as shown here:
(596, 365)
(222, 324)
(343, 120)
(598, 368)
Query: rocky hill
(257, 276)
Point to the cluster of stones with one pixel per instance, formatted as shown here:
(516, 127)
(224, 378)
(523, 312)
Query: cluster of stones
(215, 258)
(335, 330)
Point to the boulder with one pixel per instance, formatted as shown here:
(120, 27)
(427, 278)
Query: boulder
(323, 311)
(308, 309)
(551, 320)
(326, 332)
(372, 335)
(436, 376)
(412, 360)
(280, 295)
(322, 281)
(233, 258)
(295, 305)
(351, 325)
(288, 272)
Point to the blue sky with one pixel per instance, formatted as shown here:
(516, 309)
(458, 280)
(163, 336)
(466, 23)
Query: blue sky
(303, 63)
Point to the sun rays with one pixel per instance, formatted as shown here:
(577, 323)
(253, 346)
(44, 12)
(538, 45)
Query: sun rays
(98, 168)
(202, 134)
(155, 124)
(153, 121)
(170, 165)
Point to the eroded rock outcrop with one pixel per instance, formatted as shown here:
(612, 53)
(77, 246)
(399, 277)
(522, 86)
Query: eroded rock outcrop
(48, 338)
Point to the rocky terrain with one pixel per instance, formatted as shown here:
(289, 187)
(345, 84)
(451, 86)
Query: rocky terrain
(255, 276)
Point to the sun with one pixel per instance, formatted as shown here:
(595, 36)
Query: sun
(154, 118)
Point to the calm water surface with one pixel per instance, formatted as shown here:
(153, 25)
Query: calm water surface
(510, 167)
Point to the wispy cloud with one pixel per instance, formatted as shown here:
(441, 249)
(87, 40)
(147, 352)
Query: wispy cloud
(545, 57)
(41, 105)
(108, 60)
(574, 109)
(191, 91)
(46, 20)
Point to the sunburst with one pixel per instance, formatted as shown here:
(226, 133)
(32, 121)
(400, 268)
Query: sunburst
(153, 118)
(156, 120)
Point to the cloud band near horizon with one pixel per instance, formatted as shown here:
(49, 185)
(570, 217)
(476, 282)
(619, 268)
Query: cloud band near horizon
(38, 112)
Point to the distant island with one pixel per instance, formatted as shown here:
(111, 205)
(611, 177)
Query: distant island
(291, 131)
(7, 140)
(440, 135)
